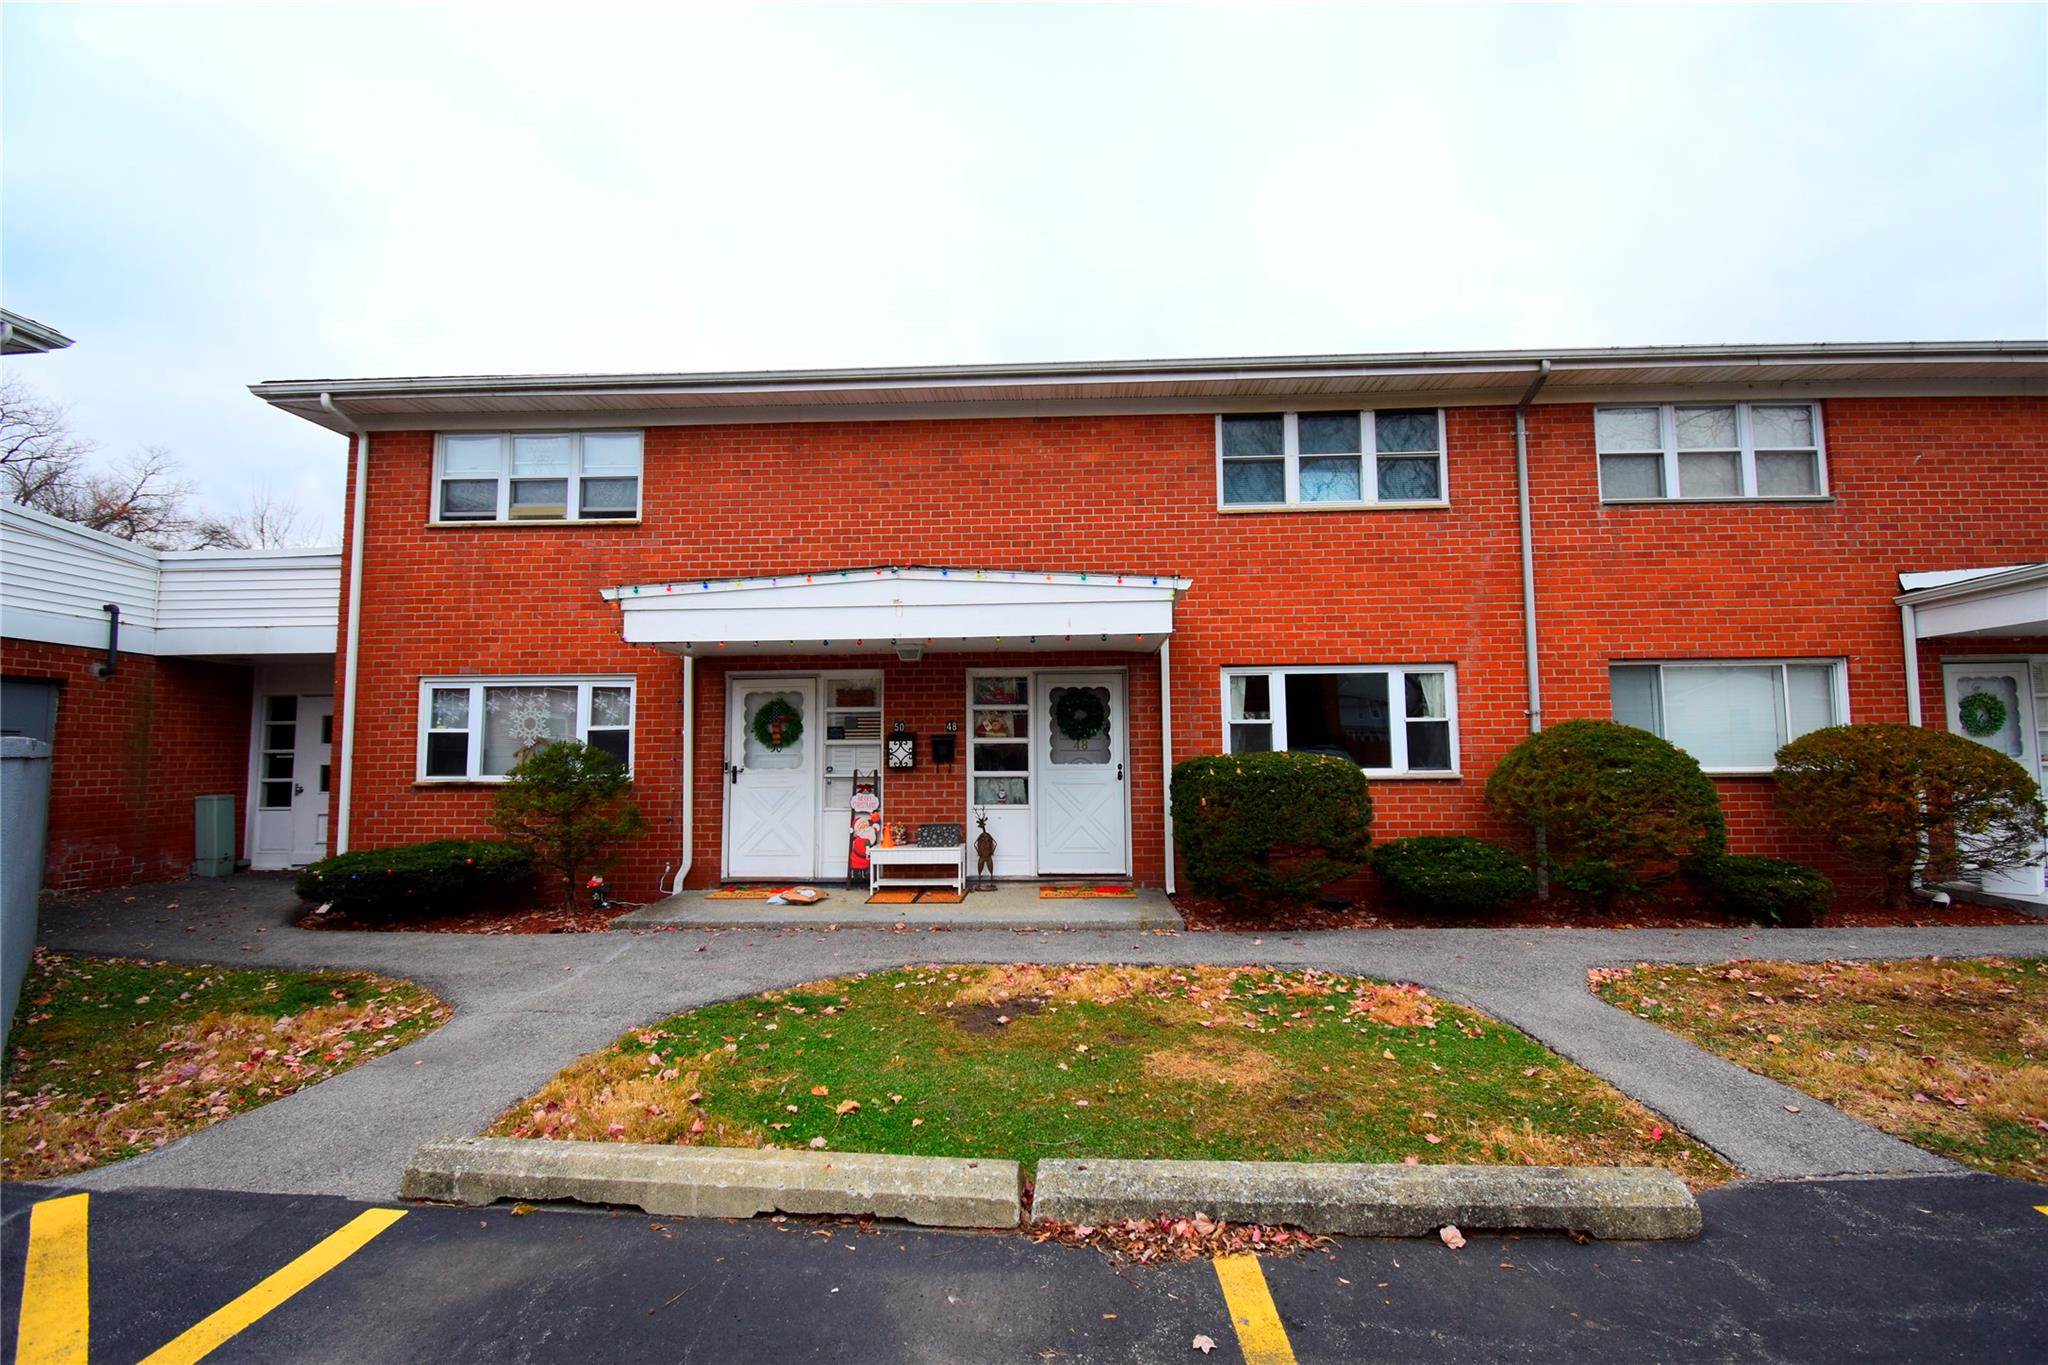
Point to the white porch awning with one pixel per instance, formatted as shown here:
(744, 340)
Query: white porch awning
(1993, 602)
(904, 608)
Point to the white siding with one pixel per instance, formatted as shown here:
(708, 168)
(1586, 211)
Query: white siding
(55, 578)
(248, 601)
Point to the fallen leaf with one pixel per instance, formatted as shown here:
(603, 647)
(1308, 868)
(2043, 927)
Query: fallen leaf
(1431, 1138)
(1411, 1161)
(1203, 1344)
(817, 1142)
(521, 1210)
(821, 1090)
(1452, 1237)
(1773, 1038)
(1656, 1135)
(1791, 1108)
(847, 1107)
(915, 1122)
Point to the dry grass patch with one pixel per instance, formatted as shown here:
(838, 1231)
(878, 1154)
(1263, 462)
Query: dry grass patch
(1026, 1062)
(1949, 1055)
(108, 1058)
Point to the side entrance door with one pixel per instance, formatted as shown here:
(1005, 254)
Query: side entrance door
(1083, 807)
(294, 766)
(2016, 734)
(771, 801)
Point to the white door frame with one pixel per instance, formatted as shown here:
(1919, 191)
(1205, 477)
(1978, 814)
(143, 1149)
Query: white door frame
(1042, 680)
(2030, 881)
(254, 854)
(735, 684)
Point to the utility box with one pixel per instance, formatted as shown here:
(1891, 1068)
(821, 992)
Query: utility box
(213, 836)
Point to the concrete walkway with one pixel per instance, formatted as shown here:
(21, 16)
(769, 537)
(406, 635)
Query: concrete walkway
(1008, 905)
(525, 1006)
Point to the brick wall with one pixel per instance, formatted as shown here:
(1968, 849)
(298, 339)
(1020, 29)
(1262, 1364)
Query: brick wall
(1271, 588)
(130, 753)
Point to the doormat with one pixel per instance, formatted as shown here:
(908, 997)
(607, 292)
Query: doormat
(911, 896)
(744, 893)
(1084, 893)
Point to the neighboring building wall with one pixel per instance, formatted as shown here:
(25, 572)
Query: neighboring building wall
(130, 753)
(1910, 481)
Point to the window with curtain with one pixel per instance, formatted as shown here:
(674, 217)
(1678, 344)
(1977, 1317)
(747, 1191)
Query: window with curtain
(1732, 716)
(476, 729)
(537, 476)
(1348, 458)
(1389, 720)
(1709, 451)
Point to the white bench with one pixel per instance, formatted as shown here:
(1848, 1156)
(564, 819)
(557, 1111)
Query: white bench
(954, 859)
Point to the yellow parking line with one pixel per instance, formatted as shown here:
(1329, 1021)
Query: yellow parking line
(1259, 1333)
(55, 1308)
(2041, 1208)
(219, 1326)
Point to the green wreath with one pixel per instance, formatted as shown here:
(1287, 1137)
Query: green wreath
(777, 725)
(1981, 714)
(1080, 714)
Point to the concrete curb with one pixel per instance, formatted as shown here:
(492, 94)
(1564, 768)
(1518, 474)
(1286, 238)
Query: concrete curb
(1621, 1203)
(719, 1182)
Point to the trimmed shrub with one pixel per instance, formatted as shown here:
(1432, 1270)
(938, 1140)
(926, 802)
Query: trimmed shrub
(1901, 800)
(1767, 890)
(567, 803)
(1269, 827)
(443, 876)
(1452, 874)
(1618, 808)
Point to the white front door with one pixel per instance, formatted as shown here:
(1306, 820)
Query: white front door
(771, 797)
(2015, 733)
(1083, 811)
(315, 769)
(293, 771)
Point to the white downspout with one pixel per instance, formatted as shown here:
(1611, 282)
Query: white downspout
(1909, 628)
(1529, 654)
(1166, 748)
(689, 772)
(1531, 660)
(351, 645)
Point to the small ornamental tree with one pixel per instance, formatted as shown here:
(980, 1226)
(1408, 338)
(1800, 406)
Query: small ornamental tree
(568, 803)
(1903, 800)
(1619, 809)
(1270, 827)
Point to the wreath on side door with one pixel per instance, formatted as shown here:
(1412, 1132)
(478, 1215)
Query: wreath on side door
(1982, 714)
(1080, 714)
(777, 725)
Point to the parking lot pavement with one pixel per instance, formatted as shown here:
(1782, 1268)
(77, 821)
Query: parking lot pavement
(1925, 1269)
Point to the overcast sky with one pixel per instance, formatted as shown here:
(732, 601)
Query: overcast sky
(209, 197)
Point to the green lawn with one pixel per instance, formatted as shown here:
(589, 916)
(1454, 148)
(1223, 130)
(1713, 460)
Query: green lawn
(1950, 1056)
(1029, 1062)
(108, 1058)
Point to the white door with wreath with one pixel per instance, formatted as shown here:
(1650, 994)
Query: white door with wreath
(1081, 794)
(1993, 704)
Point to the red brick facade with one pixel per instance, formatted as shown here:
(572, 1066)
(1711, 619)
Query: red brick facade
(1909, 479)
(130, 753)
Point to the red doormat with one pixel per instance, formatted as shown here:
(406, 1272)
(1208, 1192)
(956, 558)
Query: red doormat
(744, 893)
(1082, 892)
(912, 896)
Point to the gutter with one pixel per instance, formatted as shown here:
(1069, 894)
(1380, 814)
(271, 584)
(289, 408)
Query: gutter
(352, 643)
(1529, 655)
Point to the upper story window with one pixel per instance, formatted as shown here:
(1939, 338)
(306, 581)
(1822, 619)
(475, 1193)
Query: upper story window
(475, 729)
(1732, 715)
(1325, 459)
(537, 476)
(1710, 450)
(1386, 720)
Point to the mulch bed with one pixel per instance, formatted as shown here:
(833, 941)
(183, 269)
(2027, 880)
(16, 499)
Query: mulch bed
(552, 920)
(1203, 914)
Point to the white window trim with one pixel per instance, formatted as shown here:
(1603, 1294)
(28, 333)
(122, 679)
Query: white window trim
(1838, 679)
(1369, 474)
(583, 683)
(1397, 729)
(1667, 424)
(504, 515)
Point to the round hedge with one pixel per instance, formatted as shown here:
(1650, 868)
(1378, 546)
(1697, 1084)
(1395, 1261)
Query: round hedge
(1904, 801)
(1767, 890)
(1452, 874)
(438, 877)
(1270, 827)
(1619, 808)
